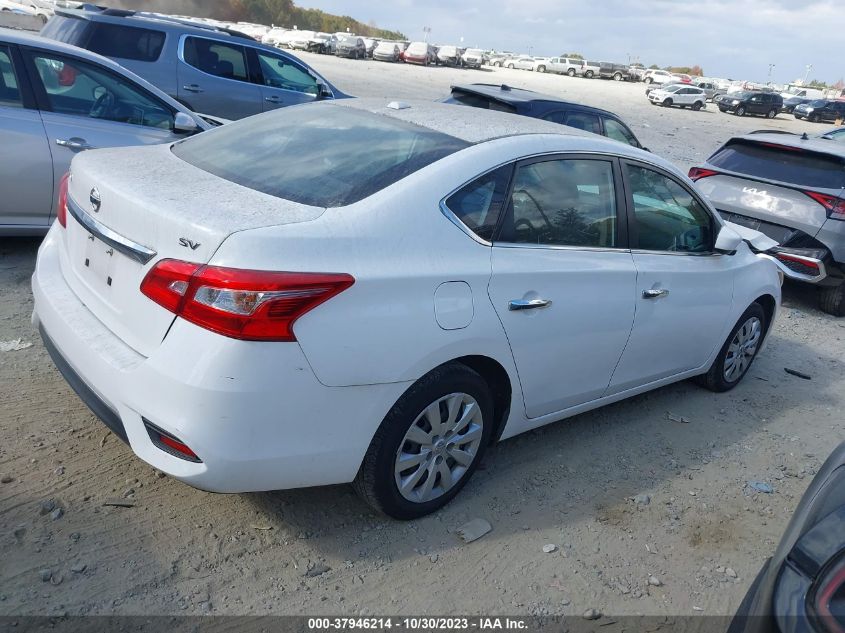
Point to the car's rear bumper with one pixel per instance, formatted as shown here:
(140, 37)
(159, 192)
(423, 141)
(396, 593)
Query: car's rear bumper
(254, 413)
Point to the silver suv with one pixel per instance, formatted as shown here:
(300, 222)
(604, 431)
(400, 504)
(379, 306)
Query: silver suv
(790, 188)
(210, 70)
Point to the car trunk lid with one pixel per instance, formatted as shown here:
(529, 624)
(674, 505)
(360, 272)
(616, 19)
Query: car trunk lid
(130, 208)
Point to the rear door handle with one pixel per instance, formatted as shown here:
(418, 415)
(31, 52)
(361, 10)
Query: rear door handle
(76, 144)
(655, 294)
(192, 88)
(528, 304)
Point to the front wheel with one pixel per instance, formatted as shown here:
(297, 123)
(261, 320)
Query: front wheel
(428, 445)
(649, 80)
(541, 69)
(510, 66)
(667, 103)
(738, 352)
(617, 77)
(740, 111)
(571, 72)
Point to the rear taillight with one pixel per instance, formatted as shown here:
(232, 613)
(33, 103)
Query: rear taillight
(834, 206)
(697, 173)
(829, 599)
(252, 305)
(61, 205)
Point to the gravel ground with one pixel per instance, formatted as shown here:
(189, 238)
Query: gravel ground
(624, 493)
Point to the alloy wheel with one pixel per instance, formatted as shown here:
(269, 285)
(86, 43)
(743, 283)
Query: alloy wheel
(439, 448)
(742, 349)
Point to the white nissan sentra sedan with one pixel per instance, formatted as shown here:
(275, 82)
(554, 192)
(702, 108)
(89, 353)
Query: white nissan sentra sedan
(367, 292)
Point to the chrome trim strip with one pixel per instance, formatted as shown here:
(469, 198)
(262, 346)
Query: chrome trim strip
(132, 250)
(447, 212)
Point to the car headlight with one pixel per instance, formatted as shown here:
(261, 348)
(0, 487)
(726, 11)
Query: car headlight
(808, 109)
(735, 102)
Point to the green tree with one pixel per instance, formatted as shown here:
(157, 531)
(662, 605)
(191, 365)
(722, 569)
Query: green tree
(573, 55)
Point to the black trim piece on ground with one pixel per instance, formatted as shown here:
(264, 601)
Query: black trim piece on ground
(103, 411)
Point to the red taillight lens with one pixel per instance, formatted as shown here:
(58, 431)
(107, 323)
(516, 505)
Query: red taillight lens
(834, 206)
(804, 261)
(251, 305)
(829, 600)
(61, 206)
(697, 173)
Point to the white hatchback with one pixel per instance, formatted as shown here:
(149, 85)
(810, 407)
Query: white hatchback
(373, 293)
(679, 95)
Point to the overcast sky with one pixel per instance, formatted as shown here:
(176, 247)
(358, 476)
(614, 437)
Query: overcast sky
(728, 38)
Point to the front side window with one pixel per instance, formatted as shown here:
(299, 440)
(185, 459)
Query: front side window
(10, 95)
(126, 42)
(216, 58)
(567, 202)
(281, 73)
(480, 204)
(618, 132)
(667, 216)
(81, 89)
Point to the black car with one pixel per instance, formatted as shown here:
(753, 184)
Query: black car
(802, 587)
(790, 104)
(351, 46)
(540, 106)
(767, 104)
(820, 110)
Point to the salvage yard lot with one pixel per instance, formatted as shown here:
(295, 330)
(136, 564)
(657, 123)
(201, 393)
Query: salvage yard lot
(686, 454)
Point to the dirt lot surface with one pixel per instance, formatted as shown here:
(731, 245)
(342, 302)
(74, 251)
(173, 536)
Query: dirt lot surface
(703, 533)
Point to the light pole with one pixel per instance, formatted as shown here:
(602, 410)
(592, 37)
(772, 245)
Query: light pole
(771, 66)
(426, 30)
(530, 50)
(807, 74)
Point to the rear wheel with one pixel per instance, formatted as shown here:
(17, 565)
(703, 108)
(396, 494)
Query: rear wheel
(771, 114)
(589, 74)
(697, 106)
(738, 352)
(832, 300)
(649, 80)
(428, 445)
(740, 111)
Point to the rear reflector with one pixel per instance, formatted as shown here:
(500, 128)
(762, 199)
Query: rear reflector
(834, 206)
(61, 204)
(251, 305)
(169, 443)
(697, 173)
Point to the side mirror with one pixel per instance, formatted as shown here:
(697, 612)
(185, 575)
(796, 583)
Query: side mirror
(727, 241)
(324, 91)
(184, 123)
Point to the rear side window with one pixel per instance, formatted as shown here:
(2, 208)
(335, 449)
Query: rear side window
(801, 168)
(584, 121)
(480, 203)
(126, 42)
(322, 155)
(10, 95)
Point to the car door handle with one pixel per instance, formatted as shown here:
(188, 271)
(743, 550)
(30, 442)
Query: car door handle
(76, 144)
(655, 294)
(528, 304)
(273, 100)
(192, 88)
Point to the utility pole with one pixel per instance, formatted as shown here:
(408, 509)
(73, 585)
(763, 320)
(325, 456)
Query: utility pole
(807, 74)
(771, 66)
(426, 30)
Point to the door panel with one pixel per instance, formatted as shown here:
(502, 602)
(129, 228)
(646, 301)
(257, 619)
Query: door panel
(561, 285)
(26, 173)
(684, 291)
(213, 78)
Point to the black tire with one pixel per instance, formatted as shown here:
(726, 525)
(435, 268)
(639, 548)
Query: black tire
(510, 66)
(649, 80)
(832, 300)
(541, 69)
(740, 111)
(813, 118)
(571, 72)
(714, 379)
(771, 114)
(375, 482)
(617, 77)
(589, 74)
(666, 103)
(696, 106)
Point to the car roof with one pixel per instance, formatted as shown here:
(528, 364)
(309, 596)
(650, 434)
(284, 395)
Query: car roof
(95, 13)
(507, 94)
(475, 125)
(809, 143)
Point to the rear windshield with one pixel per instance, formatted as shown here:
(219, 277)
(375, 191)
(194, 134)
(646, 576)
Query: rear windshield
(64, 29)
(317, 154)
(795, 167)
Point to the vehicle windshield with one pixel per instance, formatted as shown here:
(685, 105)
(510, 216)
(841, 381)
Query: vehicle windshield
(447, 50)
(818, 103)
(322, 155)
(475, 51)
(348, 39)
(418, 47)
(386, 46)
(305, 34)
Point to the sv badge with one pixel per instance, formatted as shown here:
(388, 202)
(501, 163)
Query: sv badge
(189, 244)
